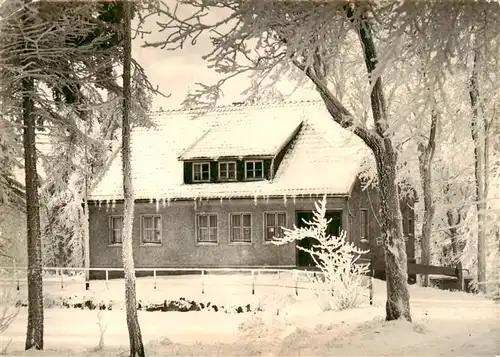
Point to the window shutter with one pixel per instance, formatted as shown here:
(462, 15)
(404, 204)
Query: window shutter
(267, 169)
(188, 172)
(213, 171)
(240, 170)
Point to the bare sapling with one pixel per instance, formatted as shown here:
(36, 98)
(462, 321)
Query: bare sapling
(102, 330)
(343, 274)
(9, 310)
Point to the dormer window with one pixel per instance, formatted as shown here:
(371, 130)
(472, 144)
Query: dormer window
(254, 170)
(201, 172)
(227, 171)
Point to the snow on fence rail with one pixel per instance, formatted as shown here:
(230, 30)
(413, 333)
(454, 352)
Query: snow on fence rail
(306, 275)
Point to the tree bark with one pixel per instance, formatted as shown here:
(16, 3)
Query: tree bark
(479, 172)
(456, 248)
(425, 158)
(34, 333)
(134, 329)
(398, 297)
(396, 265)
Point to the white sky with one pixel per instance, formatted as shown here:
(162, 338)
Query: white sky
(176, 72)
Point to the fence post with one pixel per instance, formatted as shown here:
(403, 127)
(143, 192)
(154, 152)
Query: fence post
(16, 276)
(460, 276)
(203, 281)
(61, 275)
(371, 282)
(87, 278)
(107, 278)
(253, 282)
(154, 278)
(295, 281)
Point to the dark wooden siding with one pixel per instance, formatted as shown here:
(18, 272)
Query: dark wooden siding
(214, 174)
(240, 170)
(267, 169)
(188, 172)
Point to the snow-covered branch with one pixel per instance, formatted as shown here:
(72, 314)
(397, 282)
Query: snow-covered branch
(338, 259)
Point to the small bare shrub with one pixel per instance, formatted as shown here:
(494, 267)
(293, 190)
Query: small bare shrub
(8, 312)
(102, 330)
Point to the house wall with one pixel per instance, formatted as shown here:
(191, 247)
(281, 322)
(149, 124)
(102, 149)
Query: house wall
(369, 199)
(179, 247)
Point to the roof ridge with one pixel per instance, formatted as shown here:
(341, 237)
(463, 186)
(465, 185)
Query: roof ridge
(229, 107)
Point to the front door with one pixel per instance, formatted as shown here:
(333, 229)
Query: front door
(304, 259)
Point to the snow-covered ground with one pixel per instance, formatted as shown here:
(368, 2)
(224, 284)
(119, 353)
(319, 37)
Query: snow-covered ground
(445, 323)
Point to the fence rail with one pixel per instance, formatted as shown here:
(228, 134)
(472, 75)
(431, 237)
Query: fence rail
(308, 273)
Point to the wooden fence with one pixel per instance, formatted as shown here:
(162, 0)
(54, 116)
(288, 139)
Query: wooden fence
(254, 272)
(309, 272)
(421, 269)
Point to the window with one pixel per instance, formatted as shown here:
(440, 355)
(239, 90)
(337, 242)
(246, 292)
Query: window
(274, 223)
(227, 171)
(241, 227)
(364, 223)
(206, 228)
(201, 172)
(151, 229)
(115, 229)
(254, 170)
(410, 230)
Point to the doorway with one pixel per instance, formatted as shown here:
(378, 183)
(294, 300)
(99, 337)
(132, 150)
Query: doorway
(304, 259)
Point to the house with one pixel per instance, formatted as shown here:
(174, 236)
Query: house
(213, 187)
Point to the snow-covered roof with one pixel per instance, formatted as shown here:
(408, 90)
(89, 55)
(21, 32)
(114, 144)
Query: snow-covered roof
(245, 135)
(322, 159)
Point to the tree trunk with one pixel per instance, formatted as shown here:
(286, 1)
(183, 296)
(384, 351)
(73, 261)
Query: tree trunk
(86, 233)
(398, 297)
(396, 265)
(134, 329)
(34, 333)
(456, 248)
(425, 167)
(479, 172)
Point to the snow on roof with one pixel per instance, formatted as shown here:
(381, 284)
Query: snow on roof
(246, 134)
(322, 159)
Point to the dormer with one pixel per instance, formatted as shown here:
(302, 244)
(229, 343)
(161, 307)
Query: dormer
(238, 150)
